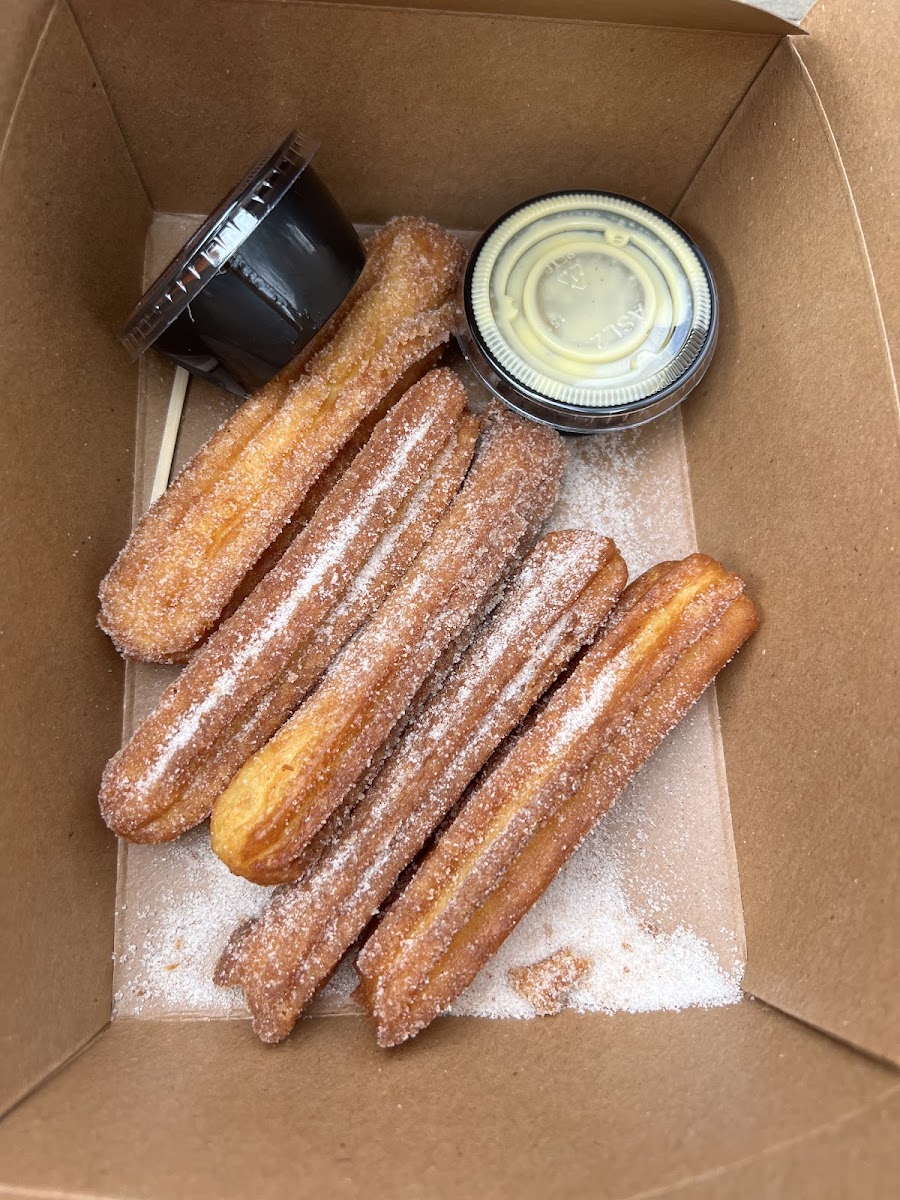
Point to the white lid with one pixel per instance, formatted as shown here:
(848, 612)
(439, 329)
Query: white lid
(590, 299)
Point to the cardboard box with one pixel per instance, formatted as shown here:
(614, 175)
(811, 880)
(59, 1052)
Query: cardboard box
(709, 110)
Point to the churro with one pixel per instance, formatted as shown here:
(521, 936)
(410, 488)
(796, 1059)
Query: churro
(396, 549)
(253, 672)
(324, 484)
(670, 635)
(278, 800)
(431, 687)
(566, 588)
(190, 552)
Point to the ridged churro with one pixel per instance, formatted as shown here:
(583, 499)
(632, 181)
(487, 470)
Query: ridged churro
(275, 804)
(253, 672)
(674, 629)
(567, 586)
(324, 484)
(431, 687)
(398, 546)
(190, 552)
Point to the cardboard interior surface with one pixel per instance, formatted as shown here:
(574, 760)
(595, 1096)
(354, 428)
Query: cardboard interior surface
(733, 16)
(624, 1108)
(792, 448)
(68, 438)
(391, 94)
(864, 121)
(794, 466)
(21, 25)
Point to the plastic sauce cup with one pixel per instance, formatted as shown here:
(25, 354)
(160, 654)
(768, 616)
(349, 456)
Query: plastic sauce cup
(257, 281)
(588, 311)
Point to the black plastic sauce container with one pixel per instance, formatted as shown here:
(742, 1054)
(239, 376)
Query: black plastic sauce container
(257, 281)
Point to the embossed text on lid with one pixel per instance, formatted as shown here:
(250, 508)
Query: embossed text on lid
(590, 299)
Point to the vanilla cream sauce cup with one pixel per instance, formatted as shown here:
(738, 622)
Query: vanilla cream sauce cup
(588, 311)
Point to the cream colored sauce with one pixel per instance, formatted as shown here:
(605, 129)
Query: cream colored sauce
(578, 301)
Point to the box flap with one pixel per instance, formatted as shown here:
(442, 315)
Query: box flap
(854, 58)
(793, 447)
(858, 1156)
(594, 1106)
(73, 217)
(396, 129)
(21, 25)
(735, 16)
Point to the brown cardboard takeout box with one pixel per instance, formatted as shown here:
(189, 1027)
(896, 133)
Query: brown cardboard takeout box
(707, 110)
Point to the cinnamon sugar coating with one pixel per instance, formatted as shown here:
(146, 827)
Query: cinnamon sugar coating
(276, 803)
(669, 636)
(254, 671)
(188, 555)
(565, 589)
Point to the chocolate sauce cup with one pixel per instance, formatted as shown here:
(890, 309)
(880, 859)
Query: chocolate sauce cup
(257, 281)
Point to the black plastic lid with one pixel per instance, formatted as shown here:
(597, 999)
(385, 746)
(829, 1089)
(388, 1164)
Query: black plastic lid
(223, 233)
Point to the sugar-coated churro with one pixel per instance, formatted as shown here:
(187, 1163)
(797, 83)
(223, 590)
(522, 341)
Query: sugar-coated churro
(567, 586)
(256, 668)
(278, 800)
(434, 681)
(674, 629)
(324, 484)
(398, 546)
(190, 552)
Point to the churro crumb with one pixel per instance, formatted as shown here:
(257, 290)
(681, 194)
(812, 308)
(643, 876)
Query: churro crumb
(546, 984)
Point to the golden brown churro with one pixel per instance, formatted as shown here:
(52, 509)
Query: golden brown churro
(189, 554)
(399, 545)
(670, 635)
(253, 672)
(286, 791)
(431, 687)
(324, 484)
(566, 588)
